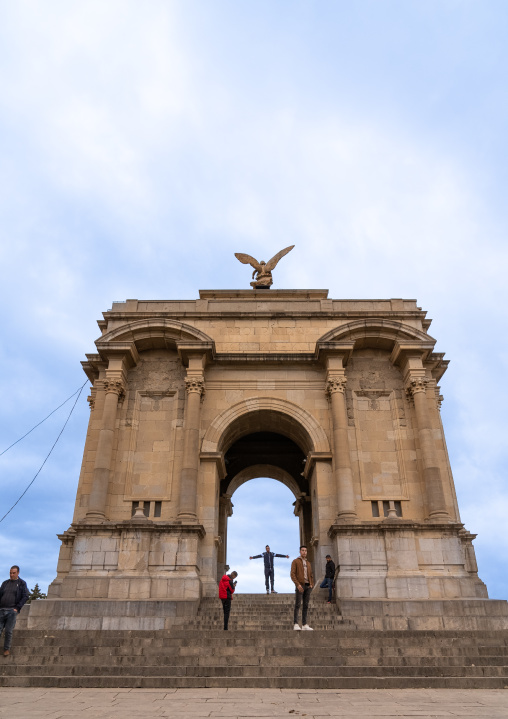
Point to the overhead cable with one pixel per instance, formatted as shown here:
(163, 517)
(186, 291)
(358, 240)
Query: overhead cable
(43, 420)
(49, 453)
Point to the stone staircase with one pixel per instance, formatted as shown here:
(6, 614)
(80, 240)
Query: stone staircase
(254, 612)
(269, 654)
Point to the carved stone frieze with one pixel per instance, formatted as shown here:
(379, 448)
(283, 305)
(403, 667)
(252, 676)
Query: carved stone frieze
(373, 396)
(371, 380)
(350, 408)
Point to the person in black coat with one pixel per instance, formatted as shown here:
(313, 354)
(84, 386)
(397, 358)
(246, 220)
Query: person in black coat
(268, 558)
(13, 595)
(329, 576)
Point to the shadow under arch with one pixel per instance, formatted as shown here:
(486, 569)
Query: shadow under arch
(270, 471)
(265, 437)
(265, 414)
(155, 333)
(377, 332)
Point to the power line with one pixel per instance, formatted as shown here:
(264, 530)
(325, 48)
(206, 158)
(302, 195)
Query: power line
(43, 420)
(49, 453)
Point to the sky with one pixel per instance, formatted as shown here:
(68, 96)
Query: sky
(142, 144)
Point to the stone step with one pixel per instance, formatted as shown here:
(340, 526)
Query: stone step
(156, 670)
(337, 638)
(281, 682)
(341, 658)
(122, 660)
(245, 654)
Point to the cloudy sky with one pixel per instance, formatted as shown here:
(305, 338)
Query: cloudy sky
(142, 144)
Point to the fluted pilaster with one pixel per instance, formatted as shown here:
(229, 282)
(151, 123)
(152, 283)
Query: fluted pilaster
(343, 473)
(416, 389)
(195, 390)
(114, 390)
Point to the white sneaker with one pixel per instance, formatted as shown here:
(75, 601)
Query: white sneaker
(297, 628)
(309, 629)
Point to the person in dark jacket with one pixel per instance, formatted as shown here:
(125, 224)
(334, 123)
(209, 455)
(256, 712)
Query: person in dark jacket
(329, 576)
(268, 558)
(226, 590)
(13, 595)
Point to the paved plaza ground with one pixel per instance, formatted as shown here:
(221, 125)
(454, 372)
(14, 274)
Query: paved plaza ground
(251, 703)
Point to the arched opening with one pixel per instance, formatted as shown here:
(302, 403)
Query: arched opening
(268, 437)
(266, 455)
(263, 514)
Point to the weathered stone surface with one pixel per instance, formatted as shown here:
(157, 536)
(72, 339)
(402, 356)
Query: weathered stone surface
(338, 399)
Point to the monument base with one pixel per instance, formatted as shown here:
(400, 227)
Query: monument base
(129, 561)
(425, 614)
(405, 560)
(104, 614)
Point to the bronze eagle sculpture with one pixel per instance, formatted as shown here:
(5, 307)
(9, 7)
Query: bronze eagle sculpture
(262, 270)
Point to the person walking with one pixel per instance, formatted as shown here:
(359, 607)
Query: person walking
(268, 558)
(329, 576)
(226, 590)
(13, 595)
(301, 575)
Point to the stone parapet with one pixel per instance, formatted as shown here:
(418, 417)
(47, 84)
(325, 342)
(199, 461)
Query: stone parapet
(133, 560)
(401, 559)
(103, 614)
(426, 614)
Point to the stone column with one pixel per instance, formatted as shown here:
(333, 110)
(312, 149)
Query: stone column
(416, 388)
(225, 511)
(195, 387)
(342, 471)
(114, 389)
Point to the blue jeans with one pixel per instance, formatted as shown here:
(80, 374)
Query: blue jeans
(327, 582)
(269, 577)
(7, 622)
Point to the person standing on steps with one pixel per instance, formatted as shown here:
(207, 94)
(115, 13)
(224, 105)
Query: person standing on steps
(13, 595)
(301, 575)
(329, 575)
(268, 558)
(226, 590)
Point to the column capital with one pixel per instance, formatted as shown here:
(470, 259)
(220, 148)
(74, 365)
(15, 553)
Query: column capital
(335, 383)
(91, 398)
(416, 384)
(226, 504)
(114, 386)
(195, 384)
(436, 391)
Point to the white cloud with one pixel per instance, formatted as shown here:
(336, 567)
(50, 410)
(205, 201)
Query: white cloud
(140, 153)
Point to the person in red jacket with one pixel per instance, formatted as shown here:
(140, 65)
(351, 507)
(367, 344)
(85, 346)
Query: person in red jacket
(226, 590)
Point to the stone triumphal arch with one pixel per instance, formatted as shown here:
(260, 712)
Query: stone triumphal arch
(337, 399)
(266, 437)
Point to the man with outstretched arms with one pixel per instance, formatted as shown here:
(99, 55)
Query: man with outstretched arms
(268, 558)
(301, 575)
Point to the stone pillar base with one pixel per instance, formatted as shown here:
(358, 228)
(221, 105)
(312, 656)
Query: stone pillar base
(110, 614)
(401, 559)
(130, 561)
(425, 614)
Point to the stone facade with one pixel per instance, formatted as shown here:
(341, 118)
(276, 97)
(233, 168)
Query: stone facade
(337, 399)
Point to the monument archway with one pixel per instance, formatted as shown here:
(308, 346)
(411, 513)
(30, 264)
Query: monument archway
(269, 438)
(337, 399)
(264, 500)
